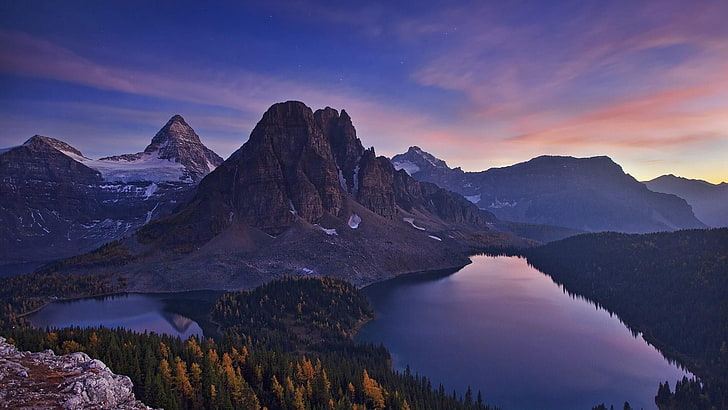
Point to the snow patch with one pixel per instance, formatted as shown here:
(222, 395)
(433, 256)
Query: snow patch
(150, 190)
(408, 167)
(356, 177)
(502, 204)
(354, 221)
(435, 238)
(473, 198)
(210, 166)
(327, 231)
(411, 221)
(148, 167)
(4, 150)
(150, 213)
(307, 271)
(342, 180)
(292, 208)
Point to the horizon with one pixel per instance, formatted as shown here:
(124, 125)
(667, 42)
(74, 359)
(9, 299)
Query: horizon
(451, 166)
(477, 85)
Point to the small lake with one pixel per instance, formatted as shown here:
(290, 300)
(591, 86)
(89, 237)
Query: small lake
(506, 329)
(180, 314)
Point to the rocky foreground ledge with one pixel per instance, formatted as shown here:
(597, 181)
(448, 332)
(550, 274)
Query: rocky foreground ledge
(43, 380)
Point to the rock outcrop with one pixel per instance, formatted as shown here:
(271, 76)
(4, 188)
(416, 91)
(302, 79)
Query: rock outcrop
(43, 380)
(55, 202)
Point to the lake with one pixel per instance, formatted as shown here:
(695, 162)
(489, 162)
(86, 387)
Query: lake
(180, 314)
(506, 329)
(497, 325)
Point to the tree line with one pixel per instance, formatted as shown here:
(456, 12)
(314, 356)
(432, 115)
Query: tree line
(670, 286)
(284, 345)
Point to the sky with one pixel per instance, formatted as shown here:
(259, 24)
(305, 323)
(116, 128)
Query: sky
(479, 84)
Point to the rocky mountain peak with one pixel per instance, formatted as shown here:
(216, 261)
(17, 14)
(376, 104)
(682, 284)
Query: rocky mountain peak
(40, 142)
(416, 160)
(299, 165)
(175, 130)
(177, 142)
(286, 170)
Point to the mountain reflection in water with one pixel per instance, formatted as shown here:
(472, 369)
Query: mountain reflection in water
(177, 314)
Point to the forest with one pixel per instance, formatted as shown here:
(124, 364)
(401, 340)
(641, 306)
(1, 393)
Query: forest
(288, 343)
(284, 345)
(670, 286)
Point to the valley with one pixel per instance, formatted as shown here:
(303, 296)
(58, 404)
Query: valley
(373, 205)
(258, 253)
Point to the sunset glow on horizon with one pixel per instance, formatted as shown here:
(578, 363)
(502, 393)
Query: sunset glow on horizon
(478, 84)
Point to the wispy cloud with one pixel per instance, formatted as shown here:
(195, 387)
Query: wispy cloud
(246, 92)
(507, 71)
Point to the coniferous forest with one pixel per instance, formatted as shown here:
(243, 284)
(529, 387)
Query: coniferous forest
(671, 286)
(284, 345)
(287, 344)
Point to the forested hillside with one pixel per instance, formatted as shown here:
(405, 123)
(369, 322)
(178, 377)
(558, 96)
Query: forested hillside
(286, 345)
(671, 287)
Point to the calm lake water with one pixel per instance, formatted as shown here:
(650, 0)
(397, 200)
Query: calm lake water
(178, 314)
(506, 329)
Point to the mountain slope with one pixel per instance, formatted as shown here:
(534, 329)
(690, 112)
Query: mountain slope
(709, 201)
(588, 194)
(302, 196)
(55, 203)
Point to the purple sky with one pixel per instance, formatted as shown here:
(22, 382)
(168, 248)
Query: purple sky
(476, 83)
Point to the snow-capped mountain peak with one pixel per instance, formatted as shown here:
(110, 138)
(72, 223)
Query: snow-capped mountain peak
(175, 151)
(416, 160)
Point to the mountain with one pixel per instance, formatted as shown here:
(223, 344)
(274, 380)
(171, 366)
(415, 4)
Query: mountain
(709, 201)
(587, 194)
(55, 202)
(301, 197)
(175, 143)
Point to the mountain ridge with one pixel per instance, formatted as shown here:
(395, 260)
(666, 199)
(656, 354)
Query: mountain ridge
(302, 196)
(588, 194)
(708, 200)
(55, 202)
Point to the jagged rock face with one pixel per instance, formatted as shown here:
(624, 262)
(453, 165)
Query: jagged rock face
(303, 196)
(178, 142)
(43, 380)
(345, 146)
(55, 203)
(285, 170)
(301, 164)
(589, 194)
(376, 185)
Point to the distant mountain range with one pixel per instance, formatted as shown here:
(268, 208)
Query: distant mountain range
(585, 194)
(301, 197)
(55, 202)
(709, 201)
